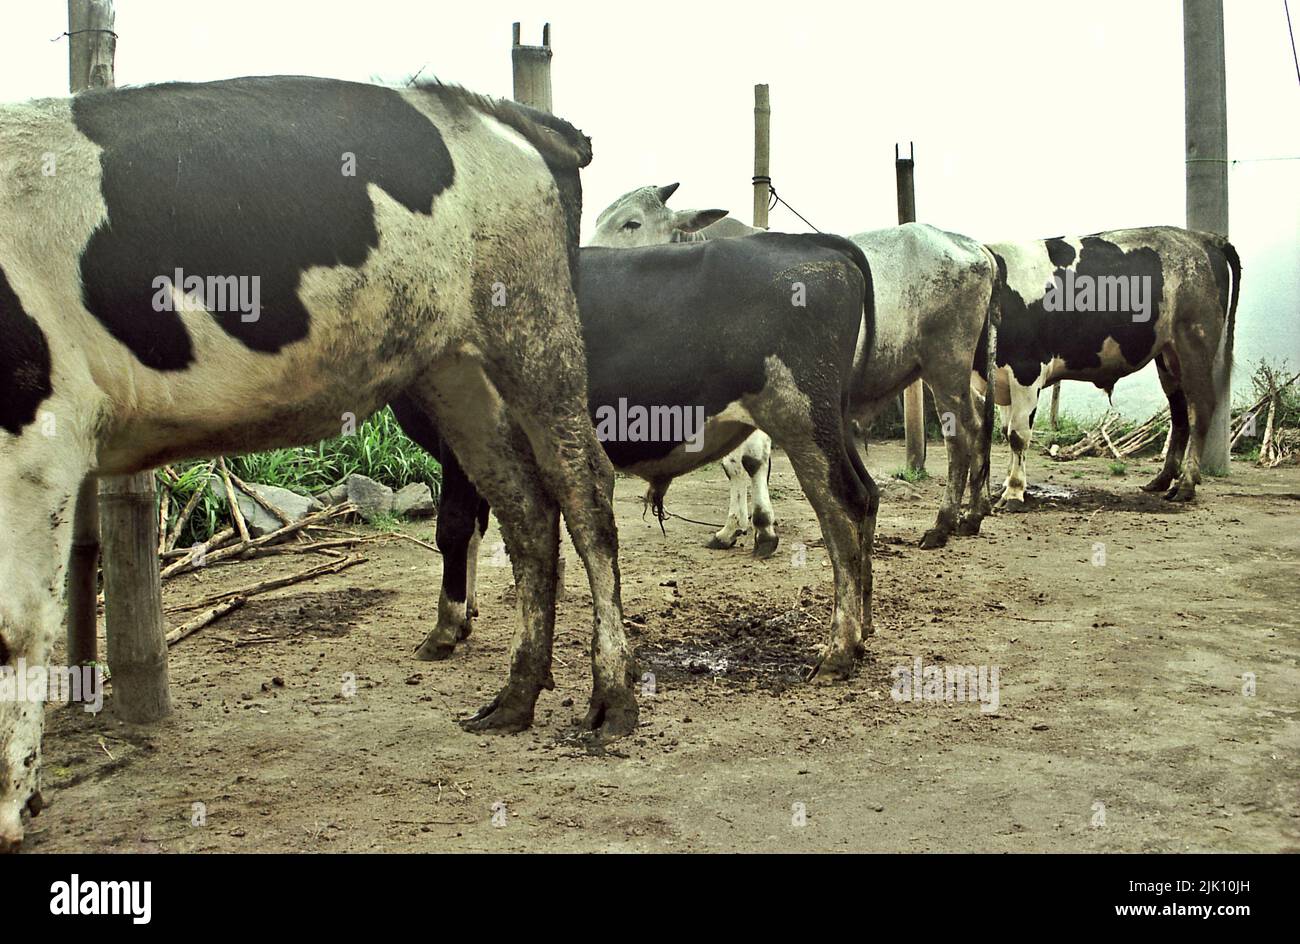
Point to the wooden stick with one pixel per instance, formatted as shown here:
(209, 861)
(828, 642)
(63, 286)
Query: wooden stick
(217, 540)
(234, 502)
(242, 547)
(164, 509)
(175, 534)
(407, 537)
(275, 583)
(203, 619)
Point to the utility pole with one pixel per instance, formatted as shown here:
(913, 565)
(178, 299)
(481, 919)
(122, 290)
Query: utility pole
(1206, 122)
(762, 155)
(914, 395)
(137, 649)
(532, 70)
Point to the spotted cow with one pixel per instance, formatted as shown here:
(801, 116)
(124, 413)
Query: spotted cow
(1100, 307)
(190, 270)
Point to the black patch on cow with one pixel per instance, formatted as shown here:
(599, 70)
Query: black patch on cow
(243, 178)
(1059, 251)
(750, 464)
(4, 651)
(692, 324)
(1030, 336)
(24, 362)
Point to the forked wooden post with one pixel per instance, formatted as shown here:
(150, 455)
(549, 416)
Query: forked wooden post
(914, 395)
(762, 154)
(532, 70)
(137, 651)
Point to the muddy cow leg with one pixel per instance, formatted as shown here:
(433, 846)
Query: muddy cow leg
(1178, 426)
(737, 522)
(495, 454)
(40, 477)
(761, 513)
(818, 451)
(1195, 354)
(957, 419)
(457, 536)
(551, 408)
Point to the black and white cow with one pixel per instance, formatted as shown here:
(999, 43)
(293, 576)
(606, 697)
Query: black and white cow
(934, 294)
(1100, 307)
(190, 270)
(733, 335)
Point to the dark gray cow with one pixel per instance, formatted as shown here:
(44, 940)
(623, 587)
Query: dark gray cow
(1100, 307)
(738, 334)
(190, 270)
(933, 301)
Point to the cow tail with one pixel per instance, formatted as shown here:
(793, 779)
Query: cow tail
(986, 361)
(1225, 371)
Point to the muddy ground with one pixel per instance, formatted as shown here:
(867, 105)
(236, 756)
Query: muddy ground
(1121, 726)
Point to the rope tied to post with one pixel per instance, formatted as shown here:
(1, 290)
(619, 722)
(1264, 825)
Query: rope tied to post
(775, 198)
(80, 31)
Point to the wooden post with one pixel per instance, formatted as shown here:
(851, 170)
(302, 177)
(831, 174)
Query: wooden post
(762, 154)
(91, 46)
(532, 70)
(914, 395)
(137, 646)
(1056, 403)
(1206, 124)
(137, 651)
(83, 577)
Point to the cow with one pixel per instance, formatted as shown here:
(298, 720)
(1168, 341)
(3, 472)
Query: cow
(744, 333)
(378, 241)
(934, 304)
(1100, 307)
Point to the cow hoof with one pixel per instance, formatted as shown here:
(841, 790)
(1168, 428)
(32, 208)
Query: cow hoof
(1157, 484)
(718, 544)
(612, 714)
(765, 546)
(835, 666)
(1180, 493)
(431, 651)
(969, 525)
(1015, 506)
(508, 713)
(935, 537)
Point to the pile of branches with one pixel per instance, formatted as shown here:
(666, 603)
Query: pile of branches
(1278, 444)
(1107, 438)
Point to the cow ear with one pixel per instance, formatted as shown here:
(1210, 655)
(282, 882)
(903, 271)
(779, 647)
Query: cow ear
(667, 191)
(689, 221)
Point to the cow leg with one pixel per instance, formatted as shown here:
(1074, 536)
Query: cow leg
(39, 480)
(1178, 426)
(980, 508)
(1019, 430)
(579, 474)
(761, 512)
(471, 561)
(737, 522)
(820, 456)
(457, 539)
(957, 417)
(497, 457)
(1194, 367)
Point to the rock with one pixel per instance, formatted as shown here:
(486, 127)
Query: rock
(372, 499)
(415, 501)
(259, 520)
(334, 496)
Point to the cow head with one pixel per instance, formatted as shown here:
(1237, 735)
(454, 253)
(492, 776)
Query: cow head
(642, 218)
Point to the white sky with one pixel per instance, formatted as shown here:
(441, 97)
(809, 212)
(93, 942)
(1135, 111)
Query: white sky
(1030, 117)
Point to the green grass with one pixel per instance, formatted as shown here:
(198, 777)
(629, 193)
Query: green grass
(1118, 468)
(378, 449)
(911, 475)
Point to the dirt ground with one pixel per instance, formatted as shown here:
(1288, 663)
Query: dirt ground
(1122, 722)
